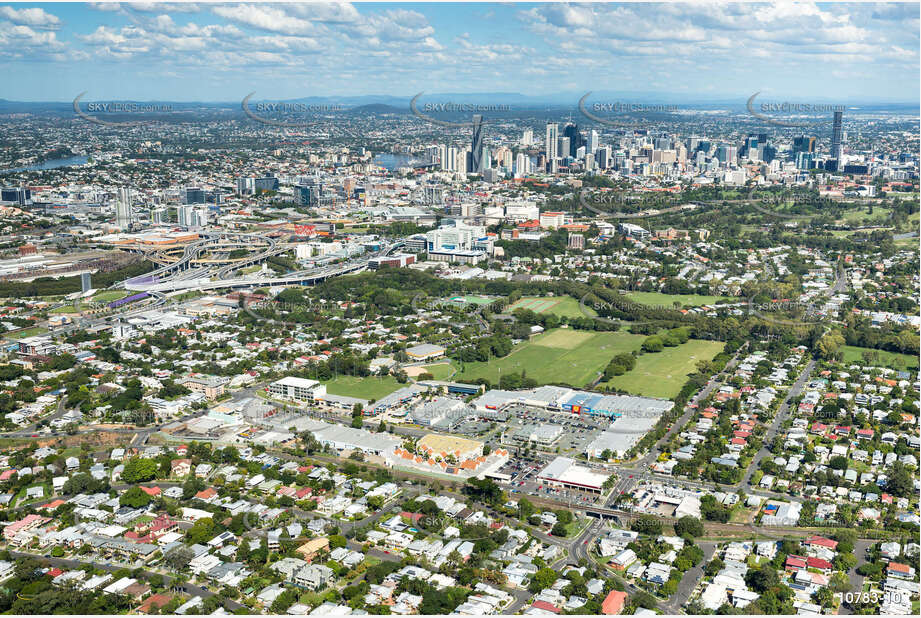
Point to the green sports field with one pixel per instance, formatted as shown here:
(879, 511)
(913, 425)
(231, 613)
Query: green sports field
(28, 332)
(668, 301)
(892, 360)
(472, 300)
(363, 388)
(662, 374)
(440, 371)
(560, 355)
(563, 306)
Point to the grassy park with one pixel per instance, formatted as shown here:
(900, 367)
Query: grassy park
(893, 360)
(662, 374)
(557, 356)
(657, 299)
(363, 388)
(562, 306)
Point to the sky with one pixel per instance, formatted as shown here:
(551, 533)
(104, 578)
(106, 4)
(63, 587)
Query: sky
(221, 52)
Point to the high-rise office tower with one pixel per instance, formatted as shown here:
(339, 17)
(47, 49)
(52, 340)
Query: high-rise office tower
(551, 141)
(727, 154)
(19, 196)
(803, 144)
(86, 283)
(563, 147)
(576, 140)
(123, 208)
(592, 143)
(266, 183)
(837, 151)
(602, 156)
(193, 195)
(159, 216)
(476, 146)
(803, 160)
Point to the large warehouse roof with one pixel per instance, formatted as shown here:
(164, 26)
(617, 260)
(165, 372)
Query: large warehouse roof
(567, 471)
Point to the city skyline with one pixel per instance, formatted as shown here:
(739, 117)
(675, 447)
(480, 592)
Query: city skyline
(221, 52)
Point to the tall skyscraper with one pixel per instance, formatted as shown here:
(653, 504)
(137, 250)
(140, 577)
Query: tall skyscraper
(576, 140)
(449, 162)
(86, 283)
(476, 146)
(602, 156)
(592, 144)
(837, 151)
(123, 208)
(550, 142)
(803, 144)
(562, 148)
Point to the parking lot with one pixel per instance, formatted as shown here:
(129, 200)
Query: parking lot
(578, 430)
(524, 472)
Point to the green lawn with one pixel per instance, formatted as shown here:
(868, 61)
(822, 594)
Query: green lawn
(662, 374)
(860, 216)
(440, 371)
(29, 332)
(563, 306)
(558, 356)
(668, 300)
(363, 388)
(107, 296)
(893, 360)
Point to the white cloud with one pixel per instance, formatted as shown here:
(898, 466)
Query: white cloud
(265, 17)
(36, 18)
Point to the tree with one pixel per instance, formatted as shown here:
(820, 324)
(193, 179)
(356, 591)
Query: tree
(178, 559)
(139, 469)
(763, 579)
(543, 579)
(337, 540)
(644, 600)
(559, 529)
(647, 524)
(900, 482)
(201, 531)
(653, 343)
(135, 497)
(824, 597)
(829, 345)
(689, 526)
